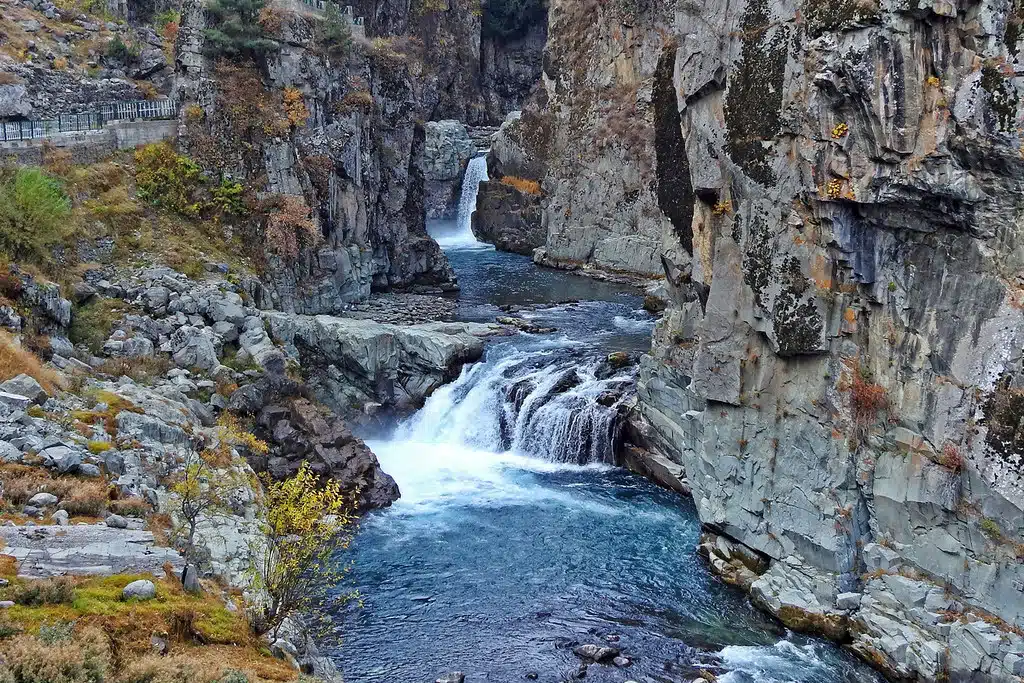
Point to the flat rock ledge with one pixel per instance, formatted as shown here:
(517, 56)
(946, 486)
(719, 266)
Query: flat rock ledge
(85, 550)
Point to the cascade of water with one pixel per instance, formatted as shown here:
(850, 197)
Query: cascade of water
(461, 235)
(552, 404)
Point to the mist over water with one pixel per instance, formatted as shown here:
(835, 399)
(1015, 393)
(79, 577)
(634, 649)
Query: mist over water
(517, 537)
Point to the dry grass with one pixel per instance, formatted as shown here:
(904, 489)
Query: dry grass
(206, 641)
(78, 497)
(86, 499)
(133, 506)
(531, 187)
(15, 360)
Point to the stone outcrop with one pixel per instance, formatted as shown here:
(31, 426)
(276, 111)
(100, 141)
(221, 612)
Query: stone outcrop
(447, 150)
(509, 214)
(353, 363)
(508, 218)
(831, 191)
(354, 157)
(302, 432)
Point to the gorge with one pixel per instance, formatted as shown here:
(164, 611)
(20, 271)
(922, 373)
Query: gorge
(645, 340)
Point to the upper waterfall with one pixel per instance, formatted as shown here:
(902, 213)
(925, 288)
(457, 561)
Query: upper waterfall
(461, 233)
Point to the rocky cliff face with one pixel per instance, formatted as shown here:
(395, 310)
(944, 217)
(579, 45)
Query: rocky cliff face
(483, 62)
(354, 157)
(832, 190)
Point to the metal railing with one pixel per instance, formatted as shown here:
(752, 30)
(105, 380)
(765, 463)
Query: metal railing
(346, 11)
(77, 123)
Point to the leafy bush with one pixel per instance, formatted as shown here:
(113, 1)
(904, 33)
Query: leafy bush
(294, 107)
(236, 31)
(228, 197)
(307, 522)
(92, 322)
(34, 211)
(290, 227)
(121, 51)
(169, 179)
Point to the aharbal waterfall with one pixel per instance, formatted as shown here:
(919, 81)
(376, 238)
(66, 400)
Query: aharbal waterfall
(459, 233)
(517, 538)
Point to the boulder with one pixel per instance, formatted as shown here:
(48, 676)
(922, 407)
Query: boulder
(190, 580)
(300, 431)
(132, 347)
(43, 500)
(454, 677)
(14, 101)
(24, 385)
(143, 589)
(597, 653)
(61, 458)
(117, 522)
(194, 347)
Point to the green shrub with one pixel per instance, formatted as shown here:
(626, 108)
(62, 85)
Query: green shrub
(121, 51)
(34, 211)
(161, 20)
(92, 323)
(337, 33)
(236, 31)
(168, 179)
(228, 198)
(990, 528)
(59, 591)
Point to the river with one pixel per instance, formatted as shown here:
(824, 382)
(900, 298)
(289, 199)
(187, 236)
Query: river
(516, 538)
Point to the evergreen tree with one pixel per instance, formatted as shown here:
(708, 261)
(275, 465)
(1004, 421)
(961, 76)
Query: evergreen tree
(337, 33)
(237, 31)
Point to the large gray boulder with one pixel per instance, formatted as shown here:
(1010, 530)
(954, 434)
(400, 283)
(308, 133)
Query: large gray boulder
(24, 385)
(194, 347)
(143, 589)
(15, 101)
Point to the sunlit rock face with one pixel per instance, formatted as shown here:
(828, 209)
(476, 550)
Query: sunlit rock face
(833, 191)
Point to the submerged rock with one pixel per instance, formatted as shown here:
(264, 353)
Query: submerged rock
(597, 653)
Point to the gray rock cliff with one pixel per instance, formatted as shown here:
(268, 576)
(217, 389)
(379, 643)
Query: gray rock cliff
(831, 190)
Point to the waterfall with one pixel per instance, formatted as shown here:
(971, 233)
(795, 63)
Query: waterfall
(554, 404)
(461, 234)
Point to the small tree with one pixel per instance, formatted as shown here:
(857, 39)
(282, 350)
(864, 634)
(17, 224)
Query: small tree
(202, 491)
(236, 30)
(307, 522)
(205, 482)
(337, 32)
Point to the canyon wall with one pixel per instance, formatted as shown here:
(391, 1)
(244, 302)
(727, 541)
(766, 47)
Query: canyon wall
(832, 190)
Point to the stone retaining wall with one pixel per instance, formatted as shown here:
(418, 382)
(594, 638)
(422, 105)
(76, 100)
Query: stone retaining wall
(91, 146)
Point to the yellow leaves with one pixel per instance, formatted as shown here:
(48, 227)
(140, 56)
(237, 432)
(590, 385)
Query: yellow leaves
(840, 131)
(233, 433)
(294, 107)
(307, 521)
(722, 208)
